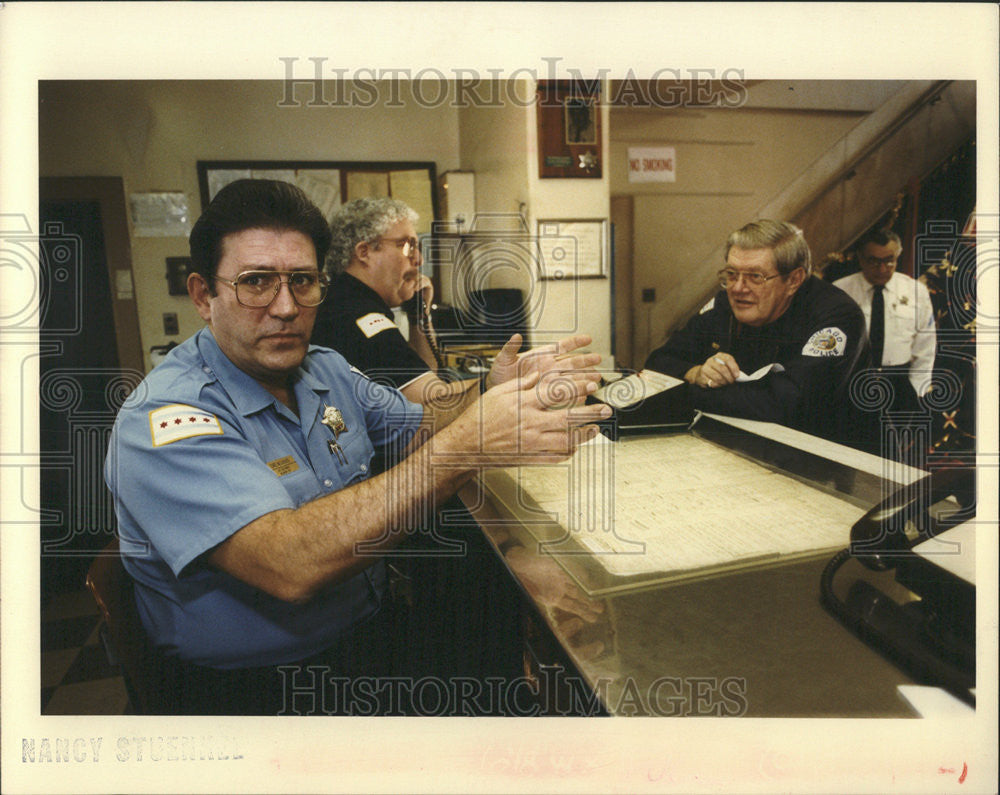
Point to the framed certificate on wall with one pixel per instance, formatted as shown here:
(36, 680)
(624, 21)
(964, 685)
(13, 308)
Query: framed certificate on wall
(574, 248)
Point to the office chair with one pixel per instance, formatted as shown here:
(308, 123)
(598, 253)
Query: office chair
(122, 633)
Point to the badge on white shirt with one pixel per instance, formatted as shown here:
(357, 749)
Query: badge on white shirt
(829, 341)
(373, 323)
(175, 422)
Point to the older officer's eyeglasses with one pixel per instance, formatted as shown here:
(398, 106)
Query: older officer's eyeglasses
(257, 289)
(408, 245)
(729, 276)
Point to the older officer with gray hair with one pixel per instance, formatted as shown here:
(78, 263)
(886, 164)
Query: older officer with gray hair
(772, 313)
(374, 263)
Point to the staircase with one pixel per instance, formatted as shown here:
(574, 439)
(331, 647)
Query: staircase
(843, 193)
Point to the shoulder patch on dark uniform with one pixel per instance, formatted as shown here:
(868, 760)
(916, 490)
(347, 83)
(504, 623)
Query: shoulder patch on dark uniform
(829, 341)
(374, 323)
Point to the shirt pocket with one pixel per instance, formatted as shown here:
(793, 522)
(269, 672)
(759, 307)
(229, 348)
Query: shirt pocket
(358, 452)
(901, 320)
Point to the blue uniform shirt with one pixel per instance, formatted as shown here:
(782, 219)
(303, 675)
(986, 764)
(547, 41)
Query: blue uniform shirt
(199, 451)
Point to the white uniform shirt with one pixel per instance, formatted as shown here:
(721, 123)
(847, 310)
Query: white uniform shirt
(910, 332)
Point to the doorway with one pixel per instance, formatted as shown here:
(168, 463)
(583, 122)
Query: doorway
(91, 358)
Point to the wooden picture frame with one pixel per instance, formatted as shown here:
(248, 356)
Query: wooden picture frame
(569, 129)
(573, 248)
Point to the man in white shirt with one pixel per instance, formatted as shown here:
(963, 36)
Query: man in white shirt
(904, 330)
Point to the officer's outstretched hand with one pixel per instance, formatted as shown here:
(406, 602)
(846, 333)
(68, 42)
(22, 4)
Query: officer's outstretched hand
(552, 358)
(531, 420)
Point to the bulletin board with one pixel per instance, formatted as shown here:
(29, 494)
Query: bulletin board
(331, 183)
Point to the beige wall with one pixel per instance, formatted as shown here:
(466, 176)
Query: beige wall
(729, 163)
(151, 133)
(582, 305)
(500, 145)
(494, 146)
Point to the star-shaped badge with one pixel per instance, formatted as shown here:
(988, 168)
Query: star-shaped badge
(334, 420)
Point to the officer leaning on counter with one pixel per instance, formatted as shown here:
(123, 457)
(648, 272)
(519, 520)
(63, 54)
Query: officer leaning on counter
(773, 313)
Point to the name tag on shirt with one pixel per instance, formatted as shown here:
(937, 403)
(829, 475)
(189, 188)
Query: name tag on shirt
(282, 466)
(373, 323)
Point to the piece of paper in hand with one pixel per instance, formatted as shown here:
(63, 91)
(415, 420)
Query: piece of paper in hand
(758, 374)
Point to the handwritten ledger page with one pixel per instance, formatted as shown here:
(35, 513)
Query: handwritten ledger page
(676, 504)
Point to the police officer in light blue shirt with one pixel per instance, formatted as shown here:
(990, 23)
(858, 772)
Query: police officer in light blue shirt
(202, 432)
(240, 471)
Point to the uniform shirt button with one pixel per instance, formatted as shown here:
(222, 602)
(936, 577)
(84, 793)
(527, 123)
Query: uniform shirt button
(364, 467)
(207, 369)
(328, 482)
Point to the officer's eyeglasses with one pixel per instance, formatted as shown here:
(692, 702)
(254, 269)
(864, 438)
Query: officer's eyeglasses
(729, 276)
(880, 262)
(257, 289)
(408, 245)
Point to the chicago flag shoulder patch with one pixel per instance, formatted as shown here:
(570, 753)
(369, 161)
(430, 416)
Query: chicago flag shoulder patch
(175, 422)
(826, 342)
(374, 322)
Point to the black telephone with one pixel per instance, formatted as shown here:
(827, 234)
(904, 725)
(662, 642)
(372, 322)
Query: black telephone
(931, 637)
(884, 536)
(413, 305)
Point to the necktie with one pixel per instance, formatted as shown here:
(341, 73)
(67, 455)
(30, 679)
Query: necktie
(877, 331)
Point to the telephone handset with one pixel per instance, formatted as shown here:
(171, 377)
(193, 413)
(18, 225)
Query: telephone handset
(932, 636)
(414, 305)
(416, 311)
(905, 518)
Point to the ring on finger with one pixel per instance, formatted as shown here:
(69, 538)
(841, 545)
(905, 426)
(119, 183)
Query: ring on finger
(709, 381)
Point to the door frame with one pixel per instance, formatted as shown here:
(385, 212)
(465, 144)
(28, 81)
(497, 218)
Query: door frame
(109, 193)
(622, 212)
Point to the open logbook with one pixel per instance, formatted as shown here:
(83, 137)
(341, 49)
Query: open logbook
(656, 508)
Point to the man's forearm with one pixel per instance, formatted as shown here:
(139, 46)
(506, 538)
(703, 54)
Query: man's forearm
(774, 398)
(443, 401)
(672, 360)
(291, 554)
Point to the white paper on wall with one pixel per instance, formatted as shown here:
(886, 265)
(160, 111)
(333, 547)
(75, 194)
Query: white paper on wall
(160, 214)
